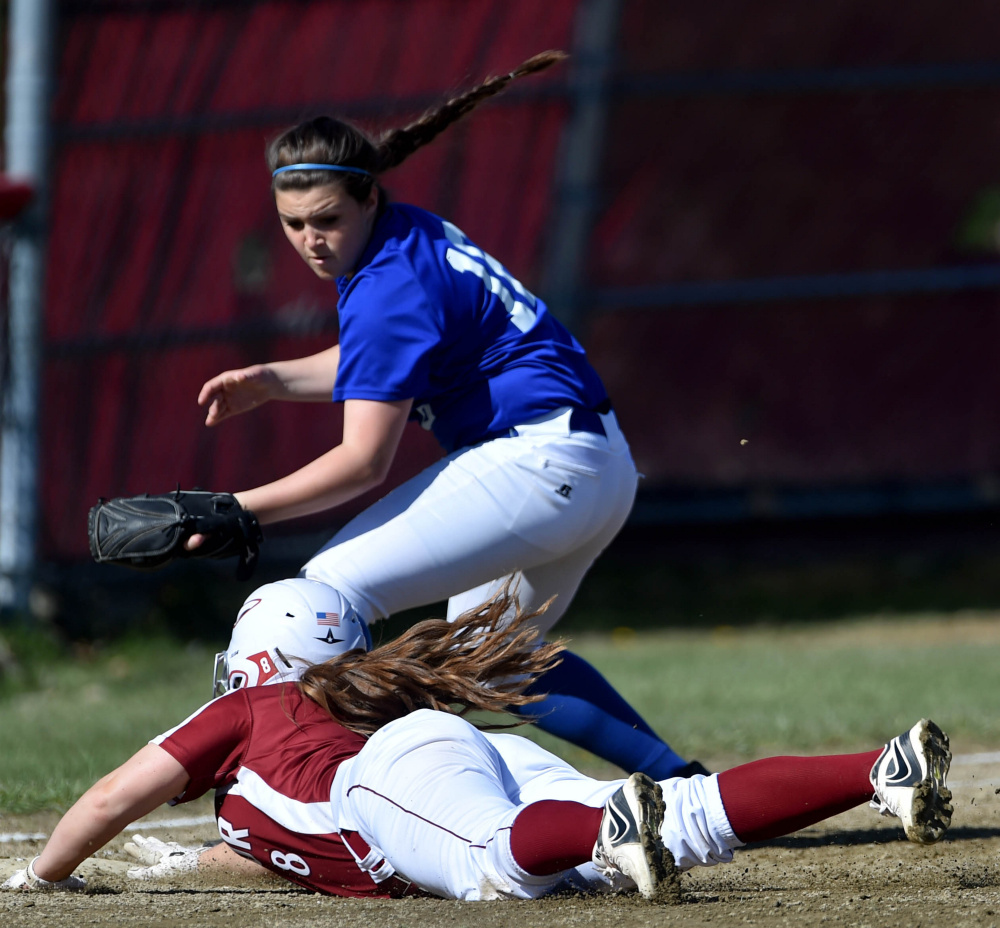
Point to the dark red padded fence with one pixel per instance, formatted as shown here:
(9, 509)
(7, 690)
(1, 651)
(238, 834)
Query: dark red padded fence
(748, 144)
(166, 262)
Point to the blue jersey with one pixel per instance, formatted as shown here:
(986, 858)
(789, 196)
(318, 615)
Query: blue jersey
(429, 316)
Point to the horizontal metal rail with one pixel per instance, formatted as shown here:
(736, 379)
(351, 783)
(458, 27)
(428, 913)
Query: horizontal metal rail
(942, 77)
(955, 76)
(776, 289)
(163, 339)
(699, 506)
(208, 123)
(807, 287)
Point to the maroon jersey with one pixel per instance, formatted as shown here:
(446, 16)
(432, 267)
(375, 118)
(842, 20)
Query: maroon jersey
(271, 755)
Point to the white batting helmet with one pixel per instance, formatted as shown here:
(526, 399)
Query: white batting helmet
(284, 627)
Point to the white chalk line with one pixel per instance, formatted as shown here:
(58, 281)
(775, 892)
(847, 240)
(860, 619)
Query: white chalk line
(960, 760)
(172, 822)
(11, 837)
(969, 760)
(991, 757)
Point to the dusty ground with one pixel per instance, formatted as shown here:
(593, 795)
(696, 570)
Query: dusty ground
(856, 869)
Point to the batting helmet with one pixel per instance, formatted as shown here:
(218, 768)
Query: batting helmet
(284, 627)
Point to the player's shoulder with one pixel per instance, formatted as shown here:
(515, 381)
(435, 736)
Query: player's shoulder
(281, 693)
(286, 698)
(275, 707)
(397, 234)
(247, 700)
(402, 266)
(409, 233)
(408, 216)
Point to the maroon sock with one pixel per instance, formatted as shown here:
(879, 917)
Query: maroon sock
(779, 795)
(549, 835)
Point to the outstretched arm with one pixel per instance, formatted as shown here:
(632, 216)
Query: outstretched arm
(372, 430)
(308, 379)
(147, 780)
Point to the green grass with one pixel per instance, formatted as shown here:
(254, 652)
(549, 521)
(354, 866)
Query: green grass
(845, 685)
(728, 694)
(89, 713)
(720, 695)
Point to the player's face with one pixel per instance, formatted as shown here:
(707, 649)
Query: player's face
(326, 226)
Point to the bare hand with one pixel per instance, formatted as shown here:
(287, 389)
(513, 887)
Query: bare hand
(234, 392)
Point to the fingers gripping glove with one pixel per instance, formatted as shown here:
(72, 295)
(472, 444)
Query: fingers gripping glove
(161, 858)
(26, 881)
(147, 532)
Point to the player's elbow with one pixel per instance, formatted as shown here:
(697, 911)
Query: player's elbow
(374, 470)
(104, 802)
(369, 464)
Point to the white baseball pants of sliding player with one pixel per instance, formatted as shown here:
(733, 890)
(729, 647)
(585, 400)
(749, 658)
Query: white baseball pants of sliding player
(436, 798)
(542, 503)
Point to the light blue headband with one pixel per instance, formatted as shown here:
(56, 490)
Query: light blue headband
(320, 167)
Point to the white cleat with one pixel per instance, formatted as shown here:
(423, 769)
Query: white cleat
(629, 841)
(909, 781)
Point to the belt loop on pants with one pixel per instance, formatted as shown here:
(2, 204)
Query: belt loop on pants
(589, 420)
(570, 418)
(586, 420)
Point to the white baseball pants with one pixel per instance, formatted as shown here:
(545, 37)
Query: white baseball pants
(436, 798)
(543, 503)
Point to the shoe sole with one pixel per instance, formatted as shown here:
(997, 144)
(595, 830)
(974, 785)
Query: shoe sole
(666, 887)
(932, 809)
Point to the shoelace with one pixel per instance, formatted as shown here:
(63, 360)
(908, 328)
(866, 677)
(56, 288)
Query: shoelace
(880, 805)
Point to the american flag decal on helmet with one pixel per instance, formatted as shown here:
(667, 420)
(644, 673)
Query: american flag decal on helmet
(328, 618)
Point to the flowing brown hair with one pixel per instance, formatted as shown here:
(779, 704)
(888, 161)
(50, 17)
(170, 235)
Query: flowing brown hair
(478, 662)
(325, 140)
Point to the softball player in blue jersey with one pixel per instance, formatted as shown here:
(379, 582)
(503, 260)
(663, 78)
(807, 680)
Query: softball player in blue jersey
(537, 478)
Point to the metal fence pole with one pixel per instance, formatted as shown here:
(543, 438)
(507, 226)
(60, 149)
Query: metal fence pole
(30, 37)
(594, 47)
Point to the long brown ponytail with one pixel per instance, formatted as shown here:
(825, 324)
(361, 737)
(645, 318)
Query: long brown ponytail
(478, 662)
(396, 145)
(329, 141)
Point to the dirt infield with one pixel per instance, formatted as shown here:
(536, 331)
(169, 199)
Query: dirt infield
(856, 869)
